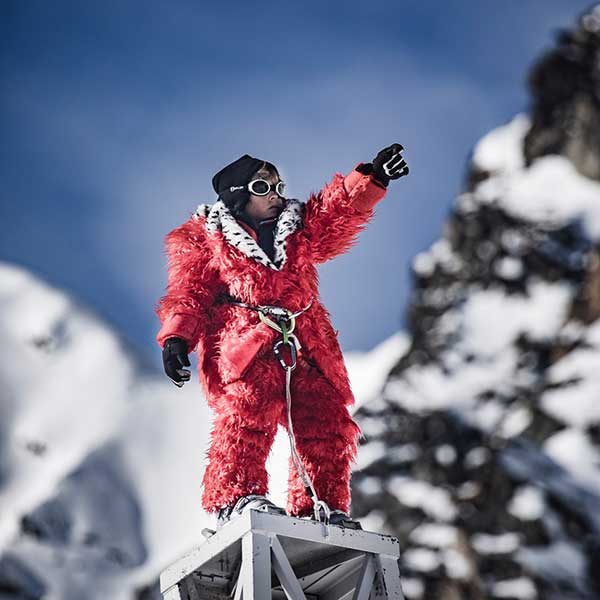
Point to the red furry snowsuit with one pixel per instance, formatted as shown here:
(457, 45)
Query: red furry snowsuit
(213, 255)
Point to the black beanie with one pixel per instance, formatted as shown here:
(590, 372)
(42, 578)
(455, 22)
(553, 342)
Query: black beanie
(239, 172)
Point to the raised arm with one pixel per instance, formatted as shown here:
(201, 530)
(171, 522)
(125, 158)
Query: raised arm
(335, 216)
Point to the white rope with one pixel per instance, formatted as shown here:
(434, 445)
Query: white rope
(300, 468)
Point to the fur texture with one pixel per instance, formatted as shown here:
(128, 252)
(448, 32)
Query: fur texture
(211, 256)
(219, 218)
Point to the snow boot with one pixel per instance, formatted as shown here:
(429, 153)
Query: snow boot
(338, 517)
(245, 503)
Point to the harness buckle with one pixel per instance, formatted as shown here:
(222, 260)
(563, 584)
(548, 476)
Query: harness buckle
(277, 311)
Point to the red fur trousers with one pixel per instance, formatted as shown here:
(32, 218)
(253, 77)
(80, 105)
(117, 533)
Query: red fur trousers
(247, 415)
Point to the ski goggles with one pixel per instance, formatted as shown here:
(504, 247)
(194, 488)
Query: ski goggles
(261, 187)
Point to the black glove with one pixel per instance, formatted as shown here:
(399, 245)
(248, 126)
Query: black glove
(175, 356)
(388, 164)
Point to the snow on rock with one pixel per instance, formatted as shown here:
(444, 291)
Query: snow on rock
(559, 562)
(501, 150)
(537, 194)
(376, 521)
(527, 503)
(495, 544)
(575, 405)
(367, 371)
(581, 363)
(521, 588)
(477, 457)
(404, 453)
(436, 535)
(433, 500)
(457, 565)
(572, 449)
(509, 267)
(370, 485)
(515, 421)
(539, 314)
(413, 588)
(421, 559)
(445, 454)
(430, 387)
(441, 254)
(423, 264)
(370, 453)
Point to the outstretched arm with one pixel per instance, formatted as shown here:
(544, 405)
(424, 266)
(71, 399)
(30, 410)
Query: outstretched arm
(335, 216)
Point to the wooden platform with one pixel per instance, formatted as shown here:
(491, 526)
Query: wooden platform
(261, 556)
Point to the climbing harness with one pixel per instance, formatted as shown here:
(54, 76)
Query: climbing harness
(283, 321)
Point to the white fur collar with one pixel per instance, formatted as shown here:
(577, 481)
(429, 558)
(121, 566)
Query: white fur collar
(219, 218)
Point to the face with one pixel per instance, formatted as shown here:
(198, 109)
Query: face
(265, 207)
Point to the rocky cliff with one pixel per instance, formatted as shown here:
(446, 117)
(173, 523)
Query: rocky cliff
(483, 451)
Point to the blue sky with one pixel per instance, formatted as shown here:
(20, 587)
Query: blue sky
(115, 116)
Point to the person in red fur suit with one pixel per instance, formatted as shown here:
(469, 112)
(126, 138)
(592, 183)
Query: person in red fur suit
(257, 247)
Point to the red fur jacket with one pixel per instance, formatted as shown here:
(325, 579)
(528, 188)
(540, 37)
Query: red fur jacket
(212, 255)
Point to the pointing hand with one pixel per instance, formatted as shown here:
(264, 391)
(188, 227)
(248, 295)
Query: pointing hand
(390, 164)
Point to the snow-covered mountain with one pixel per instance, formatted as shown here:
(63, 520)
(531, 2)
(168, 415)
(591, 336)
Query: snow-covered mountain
(101, 459)
(483, 449)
